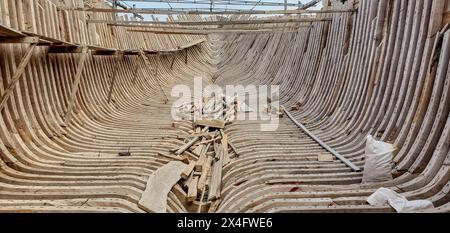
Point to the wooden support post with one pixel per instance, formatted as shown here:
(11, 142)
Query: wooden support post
(17, 75)
(285, 7)
(185, 56)
(173, 62)
(136, 70)
(113, 81)
(147, 62)
(76, 83)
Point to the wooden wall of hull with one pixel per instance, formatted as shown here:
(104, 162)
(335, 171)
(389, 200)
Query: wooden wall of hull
(383, 70)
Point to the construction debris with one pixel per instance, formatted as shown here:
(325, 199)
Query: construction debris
(216, 111)
(207, 148)
(218, 124)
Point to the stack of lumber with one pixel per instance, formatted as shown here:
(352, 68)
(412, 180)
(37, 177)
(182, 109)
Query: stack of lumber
(214, 109)
(206, 150)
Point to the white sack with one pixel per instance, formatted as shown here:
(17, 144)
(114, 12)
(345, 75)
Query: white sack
(378, 164)
(405, 206)
(384, 196)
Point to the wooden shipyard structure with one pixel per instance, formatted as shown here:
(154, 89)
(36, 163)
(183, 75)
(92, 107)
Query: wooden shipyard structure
(86, 103)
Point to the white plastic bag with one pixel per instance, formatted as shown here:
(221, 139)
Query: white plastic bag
(402, 205)
(384, 196)
(378, 164)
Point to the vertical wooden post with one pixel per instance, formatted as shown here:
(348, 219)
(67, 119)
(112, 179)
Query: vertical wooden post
(147, 62)
(76, 84)
(111, 88)
(172, 63)
(185, 56)
(285, 7)
(17, 75)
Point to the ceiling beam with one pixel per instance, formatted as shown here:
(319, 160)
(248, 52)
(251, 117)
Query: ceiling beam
(230, 22)
(161, 11)
(207, 32)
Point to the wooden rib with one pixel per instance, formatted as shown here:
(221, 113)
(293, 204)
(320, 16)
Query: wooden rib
(382, 71)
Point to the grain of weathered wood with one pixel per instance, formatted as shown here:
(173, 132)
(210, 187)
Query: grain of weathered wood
(17, 75)
(159, 184)
(76, 83)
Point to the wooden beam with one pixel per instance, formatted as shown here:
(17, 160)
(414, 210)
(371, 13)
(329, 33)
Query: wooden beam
(17, 75)
(225, 155)
(76, 84)
(65, 49)
(202, 181)
(216, 123)
(147, 62)
(172, 63)
(113, 81)
(104, 53)
(216, 181)
(325, 146)
(190, 168)
(214, 28)
(156, 11)
(207, 32)
(230, 22)
(23, 40)
(6, 31)
(192, 190)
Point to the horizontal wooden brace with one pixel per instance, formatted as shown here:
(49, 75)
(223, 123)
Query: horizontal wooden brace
(23, 40)
(230, 22)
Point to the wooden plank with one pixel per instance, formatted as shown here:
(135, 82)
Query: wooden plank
(10, 32)
(159, 184)
(233, 147)
(169, 156)
(76, 84)
(23, 40)
(213, 22)
(202, 158)
(216, 181)
(325, 146)
(17, 75)
(214, 205)
(198, 12)
(225, 154)
(207, 32)
(188, 171)
(204, 175)
(192, 190)
(217, 124)
(186, 146)
(65, 49)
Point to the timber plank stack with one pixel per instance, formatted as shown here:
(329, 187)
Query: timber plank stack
(86, 123)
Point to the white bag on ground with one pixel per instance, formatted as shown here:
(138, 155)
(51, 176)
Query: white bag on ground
(405, 206)
(378, 164)
(384, 196)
